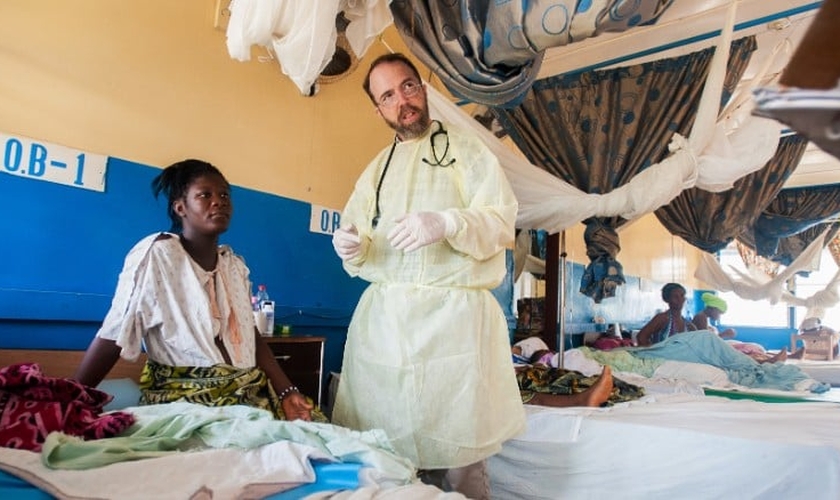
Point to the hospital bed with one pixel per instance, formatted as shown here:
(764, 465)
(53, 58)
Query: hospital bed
(824, 371)
(673, 446)
(676, 442)
(818, 359)
(291, 460)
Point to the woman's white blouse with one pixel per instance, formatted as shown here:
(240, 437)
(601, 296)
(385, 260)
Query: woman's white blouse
(164, 300)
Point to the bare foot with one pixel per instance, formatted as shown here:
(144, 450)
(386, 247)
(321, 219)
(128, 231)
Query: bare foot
(594, 396)
(798, 354)
(600, 391)
(780, 357)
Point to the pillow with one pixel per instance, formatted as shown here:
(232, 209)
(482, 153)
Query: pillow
(126, 393)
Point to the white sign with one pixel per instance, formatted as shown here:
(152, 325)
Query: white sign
(43, 161)
(324, 220)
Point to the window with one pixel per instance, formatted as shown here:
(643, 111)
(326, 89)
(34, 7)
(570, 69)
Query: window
(748, 312)
(807, 286)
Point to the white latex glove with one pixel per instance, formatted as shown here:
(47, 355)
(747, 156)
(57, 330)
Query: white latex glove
(347, 242)
(419, 229)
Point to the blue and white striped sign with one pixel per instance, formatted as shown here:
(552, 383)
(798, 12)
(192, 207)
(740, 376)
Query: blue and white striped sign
(39, 160)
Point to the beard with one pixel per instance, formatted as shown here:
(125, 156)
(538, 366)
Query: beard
(414, 129)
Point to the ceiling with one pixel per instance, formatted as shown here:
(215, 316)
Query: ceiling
(691, 25)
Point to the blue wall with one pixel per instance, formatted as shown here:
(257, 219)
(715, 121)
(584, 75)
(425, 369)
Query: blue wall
(63, 249)
(634, 304)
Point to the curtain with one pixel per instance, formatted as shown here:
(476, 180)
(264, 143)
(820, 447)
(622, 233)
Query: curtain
(586, 129)
(490, 52)
(709, 221)
(834, 249)
(792, 220)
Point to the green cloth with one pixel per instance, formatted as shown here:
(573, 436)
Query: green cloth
(182, 427)
(623, 361)
(712, 300)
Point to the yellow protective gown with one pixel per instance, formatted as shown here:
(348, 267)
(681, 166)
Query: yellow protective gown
(428, 356)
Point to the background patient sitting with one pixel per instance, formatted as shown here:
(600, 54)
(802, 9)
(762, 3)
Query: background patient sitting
(714, 308)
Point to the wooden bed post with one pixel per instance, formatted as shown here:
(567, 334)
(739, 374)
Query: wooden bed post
(552, 286)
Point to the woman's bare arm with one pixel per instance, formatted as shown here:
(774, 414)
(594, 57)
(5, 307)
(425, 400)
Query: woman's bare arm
(656, 324)
(100, 357)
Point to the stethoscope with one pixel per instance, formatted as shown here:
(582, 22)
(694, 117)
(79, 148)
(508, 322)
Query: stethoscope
(438, 162)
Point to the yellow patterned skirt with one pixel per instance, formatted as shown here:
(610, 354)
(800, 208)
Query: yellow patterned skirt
(218, 385)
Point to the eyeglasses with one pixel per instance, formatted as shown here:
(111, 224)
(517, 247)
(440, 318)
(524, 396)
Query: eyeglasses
(407, 89)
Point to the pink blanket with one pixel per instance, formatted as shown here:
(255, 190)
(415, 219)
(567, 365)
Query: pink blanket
(32, 405)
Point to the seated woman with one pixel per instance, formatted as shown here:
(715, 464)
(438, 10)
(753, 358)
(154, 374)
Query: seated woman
(714, 307)
(186, 299)
(542, 382)
(671, 322)
(667, 323)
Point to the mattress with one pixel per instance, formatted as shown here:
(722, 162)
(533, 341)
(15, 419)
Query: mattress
(824, 371)
(673, 446)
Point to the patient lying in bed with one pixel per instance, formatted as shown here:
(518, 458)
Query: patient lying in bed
(706, 348)
(542, 382)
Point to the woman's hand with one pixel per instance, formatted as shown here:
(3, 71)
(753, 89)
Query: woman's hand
(729, 333)
(296, 406)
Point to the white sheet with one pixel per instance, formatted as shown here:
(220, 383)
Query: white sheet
(234, 452)
(674, 446)
(219, 473)
(824, 371)
(225, 473)
(414, 492)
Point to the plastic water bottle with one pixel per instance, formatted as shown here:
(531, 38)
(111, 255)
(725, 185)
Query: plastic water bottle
(266, 307)
(262, 295)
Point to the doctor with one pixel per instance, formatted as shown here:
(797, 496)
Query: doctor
(427, 356)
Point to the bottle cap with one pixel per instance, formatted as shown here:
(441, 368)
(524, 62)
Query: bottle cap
(260, 287)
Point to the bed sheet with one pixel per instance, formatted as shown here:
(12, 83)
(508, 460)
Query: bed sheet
(673, 376)
(824, 371)
(227, 452)
(673, 446)
(329, 477)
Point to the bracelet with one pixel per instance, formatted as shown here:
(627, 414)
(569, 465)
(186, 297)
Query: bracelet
(286, 392)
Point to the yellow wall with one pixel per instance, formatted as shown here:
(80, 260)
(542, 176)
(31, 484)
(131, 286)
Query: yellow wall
(152, 82)
(647, 251)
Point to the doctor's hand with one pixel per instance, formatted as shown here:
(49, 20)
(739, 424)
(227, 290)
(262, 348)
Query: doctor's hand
(419, 229)
(347, 242)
